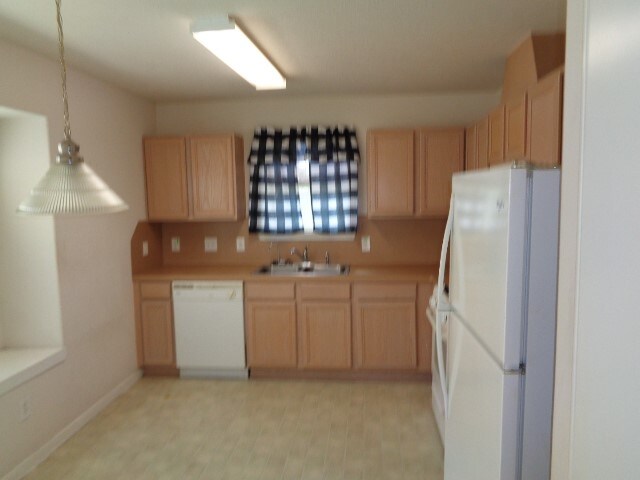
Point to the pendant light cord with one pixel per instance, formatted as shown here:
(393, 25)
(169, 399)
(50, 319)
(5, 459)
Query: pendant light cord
(63, 74)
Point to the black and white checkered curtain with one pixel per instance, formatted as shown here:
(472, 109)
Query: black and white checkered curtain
(274, 205)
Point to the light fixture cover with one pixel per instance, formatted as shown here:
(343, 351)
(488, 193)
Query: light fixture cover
(71, 187)
(222, 37)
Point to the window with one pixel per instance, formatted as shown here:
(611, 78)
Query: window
(30, 318)
(303, 179)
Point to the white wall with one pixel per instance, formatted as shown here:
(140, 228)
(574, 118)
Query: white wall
(597, 419)
(30, 306)
(94, 271)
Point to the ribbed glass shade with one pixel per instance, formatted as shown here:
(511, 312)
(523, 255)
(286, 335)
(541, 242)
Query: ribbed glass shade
(71, 189)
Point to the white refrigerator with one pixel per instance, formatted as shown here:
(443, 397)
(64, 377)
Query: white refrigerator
(502, 233)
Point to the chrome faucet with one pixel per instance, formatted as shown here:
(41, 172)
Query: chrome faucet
(304, 256)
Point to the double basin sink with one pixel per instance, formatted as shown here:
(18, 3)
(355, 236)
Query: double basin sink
(304, 269)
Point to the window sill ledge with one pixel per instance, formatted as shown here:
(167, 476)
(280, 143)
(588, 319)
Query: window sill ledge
(19, 365)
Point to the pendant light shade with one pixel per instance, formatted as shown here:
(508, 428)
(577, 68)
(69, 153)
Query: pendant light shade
(70, 187)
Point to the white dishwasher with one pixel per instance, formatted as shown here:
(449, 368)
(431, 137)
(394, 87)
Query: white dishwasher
(209, 328)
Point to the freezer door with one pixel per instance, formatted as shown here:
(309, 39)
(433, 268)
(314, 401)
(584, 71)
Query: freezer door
(481, 441)
(488, 248)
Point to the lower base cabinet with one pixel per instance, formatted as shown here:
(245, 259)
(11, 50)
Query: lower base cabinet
(385, 326)
(364, 328)
(324, 318)
(270, 325)
(154, 326)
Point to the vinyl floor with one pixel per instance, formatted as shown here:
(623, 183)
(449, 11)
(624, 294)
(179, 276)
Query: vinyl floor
(256, 429)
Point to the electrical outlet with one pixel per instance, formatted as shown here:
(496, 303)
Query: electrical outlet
(175, 244)
(26, 408)
(240, 244)
(210, 244)
(145, 249)
(366, 244)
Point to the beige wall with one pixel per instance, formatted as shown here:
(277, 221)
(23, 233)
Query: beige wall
(92, 252)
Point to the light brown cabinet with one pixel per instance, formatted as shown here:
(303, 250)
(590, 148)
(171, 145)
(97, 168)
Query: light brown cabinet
(194, 178)
(409, 171)
(440, 155)
(496, 136)
(384, 316)
(516, 129)
(324, 319)
(390, 160)
(166, 178)
(154, 327)
(482, 133)
(270, 325)
(471, 148)
(544, 120)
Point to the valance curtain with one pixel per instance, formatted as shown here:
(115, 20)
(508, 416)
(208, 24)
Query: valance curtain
(274, 191)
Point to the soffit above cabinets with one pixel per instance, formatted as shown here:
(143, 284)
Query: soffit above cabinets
(329, 47)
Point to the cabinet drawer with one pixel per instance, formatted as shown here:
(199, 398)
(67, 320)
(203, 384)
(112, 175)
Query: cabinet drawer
(315, 291)
(269, 291)
(384, 291)
(155, 290)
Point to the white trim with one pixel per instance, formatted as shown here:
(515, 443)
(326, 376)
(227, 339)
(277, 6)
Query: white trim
(40, 455)
(19, 365)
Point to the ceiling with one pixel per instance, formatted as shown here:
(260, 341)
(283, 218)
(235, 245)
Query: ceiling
(321, 46)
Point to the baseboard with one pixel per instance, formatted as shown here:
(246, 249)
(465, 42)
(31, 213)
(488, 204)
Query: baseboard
(40, 455)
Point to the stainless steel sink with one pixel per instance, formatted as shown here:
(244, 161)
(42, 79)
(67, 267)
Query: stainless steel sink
(304, 269)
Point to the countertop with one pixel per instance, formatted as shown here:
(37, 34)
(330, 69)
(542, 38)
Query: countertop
(421, 273)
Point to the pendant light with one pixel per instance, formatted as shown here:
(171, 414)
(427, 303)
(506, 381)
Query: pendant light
(70, 186)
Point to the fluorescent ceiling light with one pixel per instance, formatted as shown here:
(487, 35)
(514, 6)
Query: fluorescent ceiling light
(222, 37)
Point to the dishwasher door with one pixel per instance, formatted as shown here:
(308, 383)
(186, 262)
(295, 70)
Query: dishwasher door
(209, 328)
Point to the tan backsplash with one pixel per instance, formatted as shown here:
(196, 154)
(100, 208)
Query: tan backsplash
(393, 242)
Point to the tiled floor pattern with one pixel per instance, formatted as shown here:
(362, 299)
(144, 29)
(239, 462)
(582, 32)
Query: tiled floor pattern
(209, 429)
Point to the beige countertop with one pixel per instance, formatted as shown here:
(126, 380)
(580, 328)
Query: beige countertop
(421, 273)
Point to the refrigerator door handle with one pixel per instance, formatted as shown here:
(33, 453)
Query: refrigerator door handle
(443, 252)
(440, 315)
(441, 367)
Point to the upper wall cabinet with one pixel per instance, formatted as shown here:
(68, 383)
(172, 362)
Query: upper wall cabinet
(544, 121)
(194, 178)
(410, 171)
(496, 136)
(440, 155)
(390, 161)
(515, 129)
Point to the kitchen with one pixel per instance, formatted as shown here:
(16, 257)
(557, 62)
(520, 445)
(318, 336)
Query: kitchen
(95, 365)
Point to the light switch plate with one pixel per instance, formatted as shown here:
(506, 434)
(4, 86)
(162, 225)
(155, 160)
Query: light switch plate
(210, 244)
(240, 244)
(366, 244)
(175, 244)
(145, 249)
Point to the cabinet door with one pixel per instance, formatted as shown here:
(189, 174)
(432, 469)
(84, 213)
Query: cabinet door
(166, 178)
(157, 333)
(386, 334)
(213, 177)
(441, 153)
(516, 129)
(471, 148)
(545, 120)
(390, 160)
(271, 334)
(325, 335)
(482, 132)
(496, 136)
